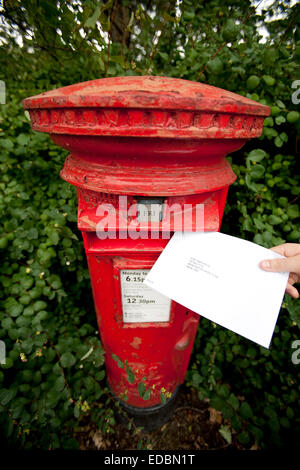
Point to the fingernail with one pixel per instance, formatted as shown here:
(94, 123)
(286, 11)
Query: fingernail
(266, 264)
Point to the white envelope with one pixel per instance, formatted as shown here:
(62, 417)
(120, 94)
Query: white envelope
(218, 276)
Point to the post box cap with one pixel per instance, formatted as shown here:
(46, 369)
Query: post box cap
(146, 106)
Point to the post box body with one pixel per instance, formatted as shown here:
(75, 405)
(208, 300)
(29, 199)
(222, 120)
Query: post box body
(157, 351)
(153, 334)
(137, 143)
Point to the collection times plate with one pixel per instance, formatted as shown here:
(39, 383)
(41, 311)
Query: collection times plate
(140, 303)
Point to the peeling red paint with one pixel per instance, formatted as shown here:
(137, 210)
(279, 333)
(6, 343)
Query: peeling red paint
(136, 342)
(145, 92)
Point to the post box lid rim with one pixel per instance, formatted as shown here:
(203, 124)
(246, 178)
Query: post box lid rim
(152, 92)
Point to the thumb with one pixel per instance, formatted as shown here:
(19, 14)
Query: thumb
(281, 264)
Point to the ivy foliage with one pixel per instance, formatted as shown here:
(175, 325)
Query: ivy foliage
(54, 374)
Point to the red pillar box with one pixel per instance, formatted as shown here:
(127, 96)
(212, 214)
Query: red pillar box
(147, 155)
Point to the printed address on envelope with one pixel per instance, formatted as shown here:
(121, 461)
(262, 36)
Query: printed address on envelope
(218, 276)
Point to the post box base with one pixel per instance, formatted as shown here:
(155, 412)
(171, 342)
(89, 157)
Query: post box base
(151, 418)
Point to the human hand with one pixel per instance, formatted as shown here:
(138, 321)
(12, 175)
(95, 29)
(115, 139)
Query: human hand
(290, 264)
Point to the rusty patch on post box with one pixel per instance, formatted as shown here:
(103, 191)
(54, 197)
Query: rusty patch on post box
(136, 342)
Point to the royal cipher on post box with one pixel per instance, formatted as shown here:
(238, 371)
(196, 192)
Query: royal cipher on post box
(147, 155)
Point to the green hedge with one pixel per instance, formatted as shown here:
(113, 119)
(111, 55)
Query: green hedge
(54, 375)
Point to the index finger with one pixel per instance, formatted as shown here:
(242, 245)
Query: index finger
(287, 249)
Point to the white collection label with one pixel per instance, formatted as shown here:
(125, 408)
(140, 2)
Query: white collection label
(140, 303)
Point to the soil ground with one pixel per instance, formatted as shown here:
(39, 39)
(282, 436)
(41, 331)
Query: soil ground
(193, 426)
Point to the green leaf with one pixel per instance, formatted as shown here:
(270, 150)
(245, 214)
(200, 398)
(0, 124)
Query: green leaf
(278, 142)
(67, 359)
(283, 201)
(251, 185)
(26, 281)
(257, 171)
(163, 399)
(59, 384)
(285, 422)
(226, 433)
(164, 56)
(196, 379)
(189, 15)
(280, 119)
(243, 438)
(28, 311)
(39, 305)
(6, 396)
(257, 155)
(7, 323)
(130, 375)
(66, 232)
(246, 411)
(274, 424)
(215, 66)
(227, 411)
(53, 235)
(23, 139)
(100, 375)
(293, 116)
(280, 104)
(253, 82)
(284, 137)
(236, 423)
(270, 412)
(233, 401)
(217, 403)
(257, 432)
(223, 391)
(270, 55)
(70, 444)
(166, 17)
(258, 223)
(6, 144)
(16, 310)
(92, 20)
(293, 211)
(269, 122)
(8, 362)
(147, 394)
(270, 133)
(141, 389)
(55, 281)
(230, 31)
(274, 219)
(270, 81)
(267, 236)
